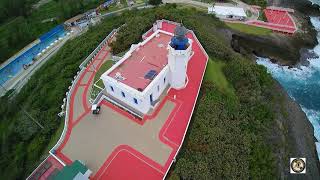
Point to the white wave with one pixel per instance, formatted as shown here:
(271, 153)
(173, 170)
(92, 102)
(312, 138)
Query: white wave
(315, 2)
(285, 73)
(314, 118)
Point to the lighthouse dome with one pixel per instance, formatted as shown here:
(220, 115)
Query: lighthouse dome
(179, 41)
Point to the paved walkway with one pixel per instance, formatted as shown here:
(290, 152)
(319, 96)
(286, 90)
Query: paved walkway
(254, 16)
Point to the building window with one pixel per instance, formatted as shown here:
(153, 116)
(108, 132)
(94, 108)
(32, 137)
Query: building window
(135, 100)
(158, 88)
(111, 88)
(123, 95)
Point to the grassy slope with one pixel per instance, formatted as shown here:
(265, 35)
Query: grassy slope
(249, 29)
(214, 74)
(102, 69)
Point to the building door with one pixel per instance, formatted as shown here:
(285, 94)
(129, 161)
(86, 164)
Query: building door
(151, 99)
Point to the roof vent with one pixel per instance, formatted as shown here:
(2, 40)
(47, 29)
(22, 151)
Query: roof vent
(119, 77)
(150, 74)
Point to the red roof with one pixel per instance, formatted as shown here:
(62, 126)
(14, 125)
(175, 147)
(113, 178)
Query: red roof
(151, 56)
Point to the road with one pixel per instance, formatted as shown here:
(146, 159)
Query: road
(254, 16)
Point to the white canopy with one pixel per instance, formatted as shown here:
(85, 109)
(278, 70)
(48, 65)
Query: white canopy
(227, 11)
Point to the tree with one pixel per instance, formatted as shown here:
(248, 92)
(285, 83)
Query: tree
(155, 2)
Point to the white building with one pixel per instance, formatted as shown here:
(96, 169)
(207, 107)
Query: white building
(148, 69)
(230, 13)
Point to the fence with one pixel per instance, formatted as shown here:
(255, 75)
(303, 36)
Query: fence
(94, 52)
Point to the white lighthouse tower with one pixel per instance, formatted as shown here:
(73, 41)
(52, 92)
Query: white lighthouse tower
(179, 53)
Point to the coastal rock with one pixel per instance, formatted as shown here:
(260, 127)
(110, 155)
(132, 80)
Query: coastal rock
(294, 137)
(304, 6)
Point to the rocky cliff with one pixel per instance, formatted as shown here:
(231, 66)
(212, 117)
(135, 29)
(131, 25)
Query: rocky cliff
(293, 137)
(283, 49)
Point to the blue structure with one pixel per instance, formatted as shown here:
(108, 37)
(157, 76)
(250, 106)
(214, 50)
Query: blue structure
(108, 3)
(53, 32)
(179, 41)
(16, 65)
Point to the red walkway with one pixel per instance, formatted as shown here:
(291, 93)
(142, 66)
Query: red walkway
(127, 163)
(278, 20)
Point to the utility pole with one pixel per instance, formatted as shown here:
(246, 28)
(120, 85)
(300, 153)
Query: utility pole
(32, 118)
(23, 110)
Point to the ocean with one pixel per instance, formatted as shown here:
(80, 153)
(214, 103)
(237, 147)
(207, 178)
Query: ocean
(315, 2)
(302, 84)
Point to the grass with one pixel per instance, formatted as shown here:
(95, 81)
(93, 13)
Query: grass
(249, 13)
(124, 3)
(214, 73)
(139, 1)
(262, 16)
(105, 66)
(54, 139)
(249, 29)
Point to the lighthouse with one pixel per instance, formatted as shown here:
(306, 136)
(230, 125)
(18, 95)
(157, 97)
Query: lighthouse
(179, 53)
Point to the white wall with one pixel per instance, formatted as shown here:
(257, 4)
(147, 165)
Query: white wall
(178, 61)
(152, 88)
(143, 98)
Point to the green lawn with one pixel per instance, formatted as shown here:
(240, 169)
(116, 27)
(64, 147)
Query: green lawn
(140, 1)
(105, 66)
(249, 29)
(214, 73)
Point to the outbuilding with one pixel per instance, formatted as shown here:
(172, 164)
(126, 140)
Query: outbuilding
(228, 13)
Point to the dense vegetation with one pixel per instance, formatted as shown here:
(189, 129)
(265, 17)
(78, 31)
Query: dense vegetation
(262, 3)
(155, 2)
(22, 23)
(22, 141)
(226, 139)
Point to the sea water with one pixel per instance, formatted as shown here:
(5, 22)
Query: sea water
(302, 84)
(315, 2)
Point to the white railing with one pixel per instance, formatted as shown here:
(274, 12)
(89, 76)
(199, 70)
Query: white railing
(95, 51)
(65, 128)
(144, 36)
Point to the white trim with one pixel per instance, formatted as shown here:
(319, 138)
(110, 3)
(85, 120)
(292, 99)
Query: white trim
(37, 167)
(60, 161)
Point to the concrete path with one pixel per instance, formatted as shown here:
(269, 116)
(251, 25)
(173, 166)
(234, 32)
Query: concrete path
(254, 16)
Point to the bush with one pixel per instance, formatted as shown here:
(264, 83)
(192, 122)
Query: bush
(155, 2)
